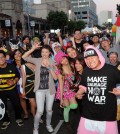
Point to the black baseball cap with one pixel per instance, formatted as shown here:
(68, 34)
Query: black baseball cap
(90, 52)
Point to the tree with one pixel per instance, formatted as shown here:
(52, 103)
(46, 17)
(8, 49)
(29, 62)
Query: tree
(99, 27)
(75, 24)
(107, 25)
(57, 19)
(71, 26)
(104, 24)
(80, 24)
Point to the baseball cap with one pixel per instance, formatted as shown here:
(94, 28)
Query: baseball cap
(90, 52)
(104, 39)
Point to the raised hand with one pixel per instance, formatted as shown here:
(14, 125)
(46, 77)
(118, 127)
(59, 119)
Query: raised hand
(46, 35)
(115, 91)
(46, 63)
(59, 34)
(36, 45)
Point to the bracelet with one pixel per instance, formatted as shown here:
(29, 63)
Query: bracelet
(50, 68)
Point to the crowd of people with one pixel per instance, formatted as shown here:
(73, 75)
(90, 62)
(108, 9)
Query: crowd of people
(80, 73)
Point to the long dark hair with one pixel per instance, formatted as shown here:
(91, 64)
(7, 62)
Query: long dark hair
(60, 67)
(72, 48)
(81, 61)
(71, 60)
(13, 56)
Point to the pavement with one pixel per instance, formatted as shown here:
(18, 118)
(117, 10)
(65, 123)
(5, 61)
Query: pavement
(57, 122)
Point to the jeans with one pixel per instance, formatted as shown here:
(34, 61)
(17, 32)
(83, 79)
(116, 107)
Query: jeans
(41, 97)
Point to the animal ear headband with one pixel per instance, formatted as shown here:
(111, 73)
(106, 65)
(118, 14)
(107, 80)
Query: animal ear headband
(14, 44)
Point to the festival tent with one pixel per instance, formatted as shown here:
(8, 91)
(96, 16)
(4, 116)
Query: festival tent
(93, 30)
(87, 30)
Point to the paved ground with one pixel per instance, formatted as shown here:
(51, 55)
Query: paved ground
(57, 120)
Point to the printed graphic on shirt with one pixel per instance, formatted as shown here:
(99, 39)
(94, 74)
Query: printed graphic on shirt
(78, 49)
(44, 78)
(96, 89)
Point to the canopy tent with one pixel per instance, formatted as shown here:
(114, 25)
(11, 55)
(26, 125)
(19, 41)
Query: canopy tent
(87, 30)
(90, 30)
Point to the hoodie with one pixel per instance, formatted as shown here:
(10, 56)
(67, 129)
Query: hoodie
(101, 58)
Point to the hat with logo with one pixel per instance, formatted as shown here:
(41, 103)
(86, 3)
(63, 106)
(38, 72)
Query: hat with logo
(90, 52)
(104, 39)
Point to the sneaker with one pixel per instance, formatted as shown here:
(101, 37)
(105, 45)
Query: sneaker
(5, 125)
(49, 128)
(19, 122)
(35, 131)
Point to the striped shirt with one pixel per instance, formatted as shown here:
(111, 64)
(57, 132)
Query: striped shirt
(8, 73)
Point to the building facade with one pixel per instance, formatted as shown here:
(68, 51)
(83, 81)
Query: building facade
(85, 10)
(42, 10)
(16, 17)
(105, 17)
(12, 25)
(19, 17)
(34, 23)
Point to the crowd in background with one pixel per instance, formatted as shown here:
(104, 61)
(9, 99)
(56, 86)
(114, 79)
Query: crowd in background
(49, 67)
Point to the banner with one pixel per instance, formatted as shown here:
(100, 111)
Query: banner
(7, 23)
(32, 23)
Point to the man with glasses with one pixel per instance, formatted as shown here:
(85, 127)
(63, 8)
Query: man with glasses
(113, 59)
(107, 48)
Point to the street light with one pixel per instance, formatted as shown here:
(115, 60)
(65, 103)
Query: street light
(78, 11)
(69, 11)
(28, 10)
(28, 14)
(29, 25)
